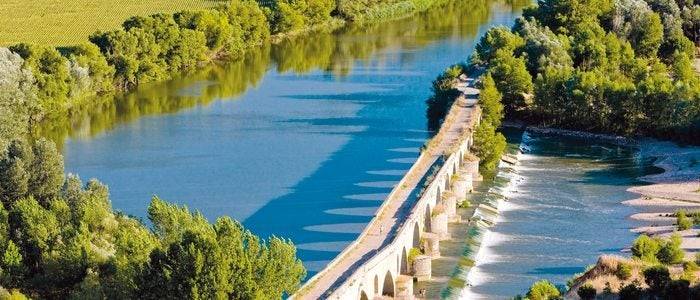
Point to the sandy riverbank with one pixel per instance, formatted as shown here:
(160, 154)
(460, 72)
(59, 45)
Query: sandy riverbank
(676, 188)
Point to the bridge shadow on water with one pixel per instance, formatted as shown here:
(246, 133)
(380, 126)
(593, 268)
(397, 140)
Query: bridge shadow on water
(327, 210)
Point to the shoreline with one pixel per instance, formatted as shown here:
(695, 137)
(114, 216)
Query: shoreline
(677, 187)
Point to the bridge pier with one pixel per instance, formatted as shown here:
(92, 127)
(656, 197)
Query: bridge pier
(450, 202)
(404, 287)
(422, 268)
(438, 222)
(431, 244)
(471, 166)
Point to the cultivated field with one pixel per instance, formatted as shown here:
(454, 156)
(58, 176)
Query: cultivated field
(67, 22)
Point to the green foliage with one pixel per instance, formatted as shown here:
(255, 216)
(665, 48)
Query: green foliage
(586, 292)
(512, 80)
(444, 94)
(497, 38)
(670, 251)
(490, 102)
(631, 291)
(645, 248)
(682, 221)
(657, 278)
(689, 270)
(599, 65)
(623, 271)
(294, 15)
(489, 146)
(60, 239)
(543, 290)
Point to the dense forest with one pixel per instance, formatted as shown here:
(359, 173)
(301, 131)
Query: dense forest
(612, 66)
(60, 238)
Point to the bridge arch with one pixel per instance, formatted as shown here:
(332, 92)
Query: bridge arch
(403, 270)
(376, 284)
(363, 295)
(426, 219)
(416, 235)
(447, 182)
(388, 287)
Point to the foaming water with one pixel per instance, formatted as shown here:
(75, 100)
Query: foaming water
(561, 194)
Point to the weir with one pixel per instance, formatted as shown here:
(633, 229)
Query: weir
(398, 244)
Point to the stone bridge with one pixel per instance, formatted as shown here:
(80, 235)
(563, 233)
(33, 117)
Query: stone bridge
(398, 245)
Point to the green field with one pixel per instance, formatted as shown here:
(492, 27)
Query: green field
(68, 22)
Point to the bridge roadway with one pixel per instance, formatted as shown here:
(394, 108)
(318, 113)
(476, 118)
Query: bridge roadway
(390, 216)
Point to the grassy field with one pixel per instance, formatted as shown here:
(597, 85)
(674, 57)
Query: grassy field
(68, 22)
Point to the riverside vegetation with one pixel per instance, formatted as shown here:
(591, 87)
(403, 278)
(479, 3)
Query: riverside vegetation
(610, 66)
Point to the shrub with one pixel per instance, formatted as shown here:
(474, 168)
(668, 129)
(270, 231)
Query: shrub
(624, 271)
(683, 222)
(586, 292)
(657, 278)
(631, 291)
(678, 289)
(489, 146)
(645, 248)
(543, 290)
(670, 251)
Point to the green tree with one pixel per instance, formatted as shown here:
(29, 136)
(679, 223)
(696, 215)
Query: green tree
(497, 38)
(489, 146)
(682, 221)
(645, 248)
(543, 290)
(647, 36)
(46, 176)
(657, 278)
(490, 102)
(512, 79)
(670, 251)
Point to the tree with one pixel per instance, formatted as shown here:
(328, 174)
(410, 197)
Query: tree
(490, 102)
(682, 221)
(670, 251)
(646, 37)
(512, 80)
(645, 248)
(46, 178)
(17, 97)
(543, 290)
(497, 38)
(631, 291)
(657, 278)
(586, 292)
(489, 146)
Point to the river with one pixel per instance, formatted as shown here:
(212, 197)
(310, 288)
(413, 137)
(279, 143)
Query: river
(563, 210)
(301, 139)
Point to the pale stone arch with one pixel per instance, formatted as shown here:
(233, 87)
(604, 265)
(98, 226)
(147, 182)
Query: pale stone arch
(416, 235)
(404, 269)
(426, 219)
(376, 284)
(388, 286)
(363, 295)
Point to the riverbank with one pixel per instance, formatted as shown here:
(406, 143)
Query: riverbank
(676, 188)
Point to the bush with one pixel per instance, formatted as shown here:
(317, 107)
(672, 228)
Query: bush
(645, 248)
(683, 222)
(631, 291)
(586, 292)
(670, 251)
(543, 290)
(489, 146)
(624, 271)
(657, 278)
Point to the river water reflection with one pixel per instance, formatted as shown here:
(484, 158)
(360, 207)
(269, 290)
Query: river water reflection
(303, 139)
